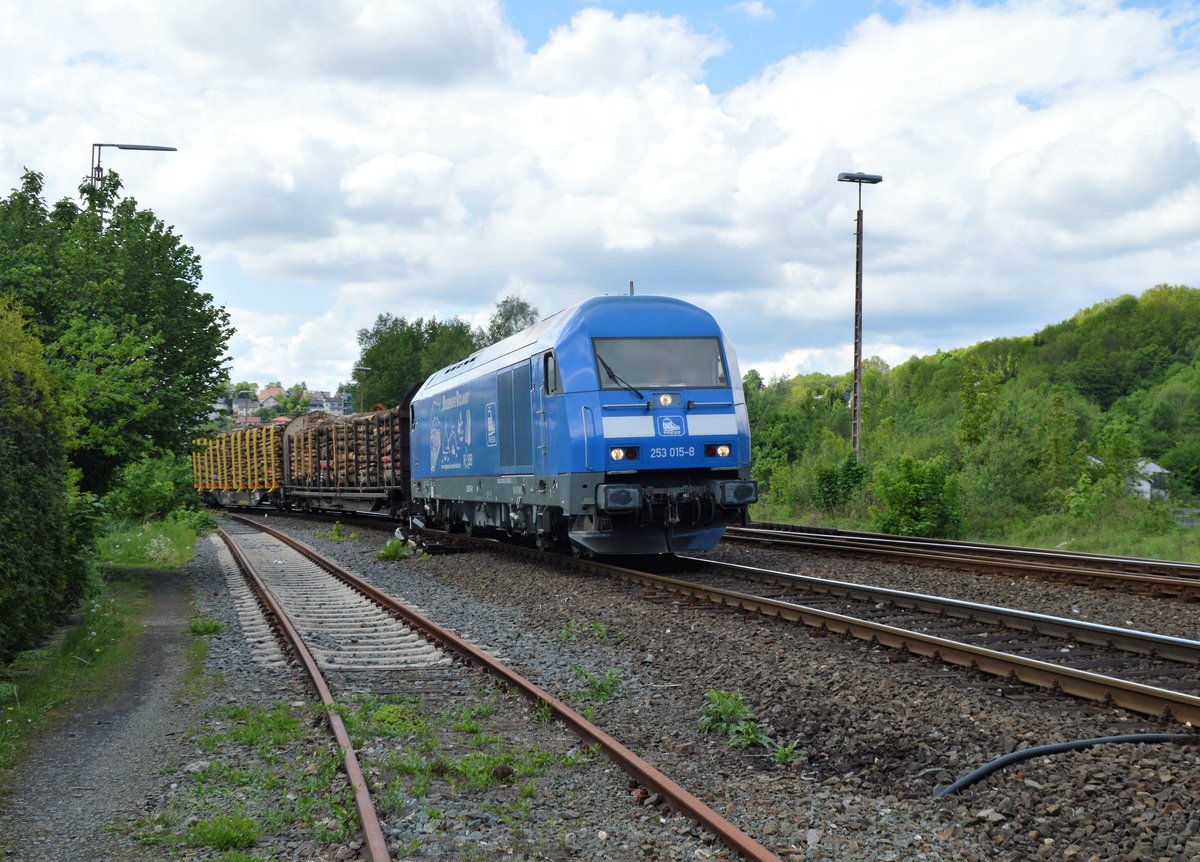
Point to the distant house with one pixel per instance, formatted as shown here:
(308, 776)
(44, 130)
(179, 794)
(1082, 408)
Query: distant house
(246, 421)
(316, 400)
(339, 403)
(268, 403)
(244, 406)
(280, 421)
(1151, 483)
(276, 392)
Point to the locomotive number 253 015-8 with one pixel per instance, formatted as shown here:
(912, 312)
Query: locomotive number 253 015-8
(672, 451)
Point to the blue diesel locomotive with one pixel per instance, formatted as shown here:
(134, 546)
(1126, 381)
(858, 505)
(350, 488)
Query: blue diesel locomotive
(618, 426)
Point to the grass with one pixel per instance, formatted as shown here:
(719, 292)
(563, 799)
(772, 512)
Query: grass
(336, 533)
(272, 769)
(426, 756)
(727, 714)
(39, 684)
(224, 832)
(165, 544)
(262, 729)
(572, 630)
(596, 688)
(398, 549)
(201, 624)
(1128, 527)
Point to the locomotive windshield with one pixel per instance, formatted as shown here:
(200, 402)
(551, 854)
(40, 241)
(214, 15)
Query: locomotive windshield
(680, 363)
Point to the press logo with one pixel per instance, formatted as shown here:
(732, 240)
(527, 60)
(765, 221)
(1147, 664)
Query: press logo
(668, 426)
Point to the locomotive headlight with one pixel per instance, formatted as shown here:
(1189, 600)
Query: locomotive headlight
(617, 454)
(723, 450)
(718, 450)
(666, 400)
(623, 453)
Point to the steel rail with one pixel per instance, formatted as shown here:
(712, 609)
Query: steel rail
(1185, 586)
(1136, 697)
(1144, 564)
(376, 844)
(1131, 640)
(1158, 703)
(648, 776)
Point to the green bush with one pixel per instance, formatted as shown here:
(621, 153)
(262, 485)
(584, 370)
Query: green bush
(917, 498)
(836, 485)
(151, 487)
(45, 527)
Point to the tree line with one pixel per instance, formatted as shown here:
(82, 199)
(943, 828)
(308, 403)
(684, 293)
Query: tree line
(401, 353)
(1016, 437)
(109, 352)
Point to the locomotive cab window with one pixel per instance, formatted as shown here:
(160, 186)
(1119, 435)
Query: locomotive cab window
(680, 363)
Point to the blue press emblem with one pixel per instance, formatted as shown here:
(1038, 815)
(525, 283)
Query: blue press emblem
(668, 426)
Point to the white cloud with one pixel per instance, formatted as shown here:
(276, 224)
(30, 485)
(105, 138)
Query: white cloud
(754, 9)
(419, 159)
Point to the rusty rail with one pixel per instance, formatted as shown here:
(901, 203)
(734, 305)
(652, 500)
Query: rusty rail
(1090, 569)
(648, 776)
(1136, 697)
(376, 844)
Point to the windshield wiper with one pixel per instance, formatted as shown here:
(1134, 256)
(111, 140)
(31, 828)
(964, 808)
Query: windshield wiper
(617, 379)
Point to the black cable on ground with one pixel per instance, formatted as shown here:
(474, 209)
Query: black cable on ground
(1043, 750)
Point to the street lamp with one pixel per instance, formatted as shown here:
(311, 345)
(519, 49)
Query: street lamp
(856, 427)
(98, 172)
(357, 372)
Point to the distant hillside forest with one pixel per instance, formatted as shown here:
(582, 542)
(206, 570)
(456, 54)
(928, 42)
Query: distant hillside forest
(1039, 439)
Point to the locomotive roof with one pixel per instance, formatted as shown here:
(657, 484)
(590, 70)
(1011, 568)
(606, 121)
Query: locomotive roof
(599, 316)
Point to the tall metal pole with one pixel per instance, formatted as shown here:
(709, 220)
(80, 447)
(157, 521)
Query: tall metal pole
(856, 397)
(856, 432)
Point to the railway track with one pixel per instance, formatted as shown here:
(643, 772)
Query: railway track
(1153, 577)
(1146, 673)
(340, 626)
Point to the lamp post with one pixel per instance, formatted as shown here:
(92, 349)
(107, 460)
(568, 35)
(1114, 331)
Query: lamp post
(856, 426)
(359, 370)
(97, 173)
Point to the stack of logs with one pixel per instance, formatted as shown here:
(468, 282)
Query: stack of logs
(245, 458)
(365, 451)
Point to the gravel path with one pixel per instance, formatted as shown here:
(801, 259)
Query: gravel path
(875, 733)
(92, 772)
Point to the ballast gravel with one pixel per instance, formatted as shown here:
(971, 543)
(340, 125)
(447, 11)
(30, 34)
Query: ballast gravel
(874, 732)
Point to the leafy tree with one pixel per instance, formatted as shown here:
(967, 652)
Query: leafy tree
(445, 344)
(135, 346)
(512, 314)
(402, 353)
(980, 397)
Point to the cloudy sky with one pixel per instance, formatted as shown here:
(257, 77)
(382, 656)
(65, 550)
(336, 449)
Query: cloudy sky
(343, 158)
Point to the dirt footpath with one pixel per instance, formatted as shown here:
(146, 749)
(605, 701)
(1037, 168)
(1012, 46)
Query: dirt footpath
(85, 783)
